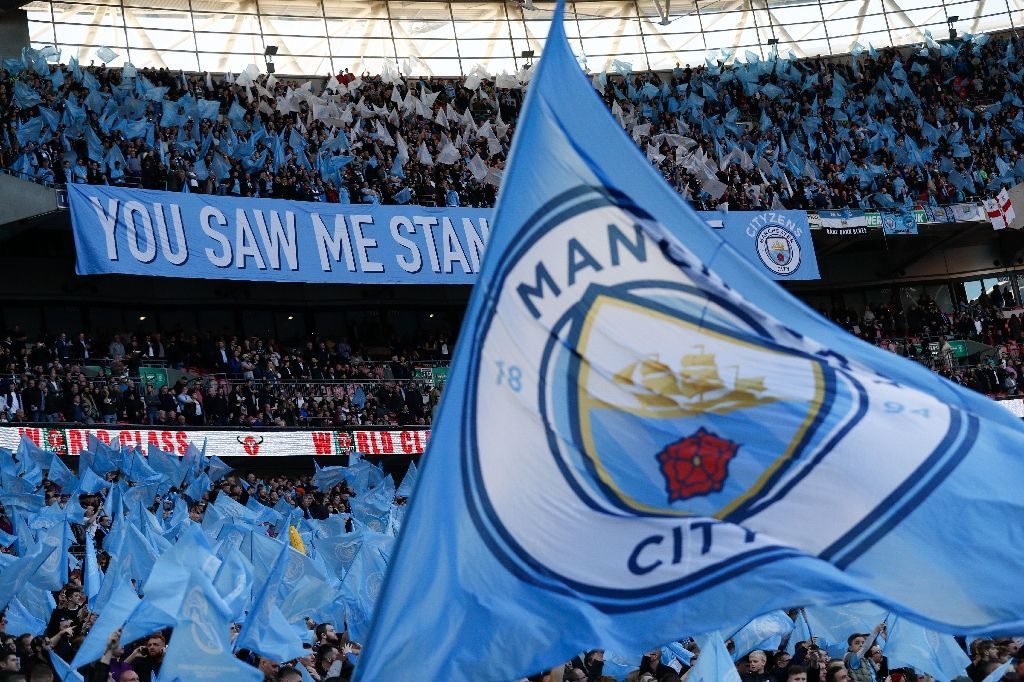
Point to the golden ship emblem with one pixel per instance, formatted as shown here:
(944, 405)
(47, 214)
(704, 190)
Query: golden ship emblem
(697, 387)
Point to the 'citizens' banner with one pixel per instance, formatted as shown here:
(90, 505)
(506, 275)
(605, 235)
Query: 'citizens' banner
(171, 234)
(222, 443)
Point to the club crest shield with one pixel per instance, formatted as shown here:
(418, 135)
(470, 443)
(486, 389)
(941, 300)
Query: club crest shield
(639, 401)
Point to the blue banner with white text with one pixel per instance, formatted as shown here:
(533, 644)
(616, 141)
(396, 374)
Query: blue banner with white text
(170, 234)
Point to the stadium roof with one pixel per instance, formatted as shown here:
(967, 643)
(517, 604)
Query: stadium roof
(315, 37)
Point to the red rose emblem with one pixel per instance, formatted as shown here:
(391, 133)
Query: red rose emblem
(696, 465)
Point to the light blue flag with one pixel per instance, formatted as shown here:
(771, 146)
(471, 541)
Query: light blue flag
(339, 551)
(372, 510)
(234, 582)
(397, 169)
(305, 598)
(361, 476)
(15, 576)
(265, 629)
(764, 632)
(167, 464)
(136, 554)
(926, 651)
(25, 96)
(123, 601)
(21, 622)
(59, 473)
(199, 487)
(619, 667)
(63, 671)
(52, 574)
(325, 478)
(92, 577)
(408, 483)
(714, 663)
(98, 456)
(403, 196)
(28, 450)
(29, 131)
(167, 581)
(38, 602)
(264, 513)
(217, 468)
(221, 168)
(683, 410)
(200, 648)
(136, 468)
(362, 583)
(832, 625)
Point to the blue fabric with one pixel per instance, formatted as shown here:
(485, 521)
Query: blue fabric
(714, 663)
(308, 251)
(201, 648)
(932, 653)
(265, 630)
(568, 386)
(92, 577)
(833, 624)
(764, 632)
(112, 616)
(20, 621)
(63, 671)
(15, 576)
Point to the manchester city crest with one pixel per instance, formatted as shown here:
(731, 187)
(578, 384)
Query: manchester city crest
(663, 426)
(778, 249)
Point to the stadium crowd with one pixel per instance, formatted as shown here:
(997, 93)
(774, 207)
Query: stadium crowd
(125, 523)
(935, 124)
(254, 382)
(231, 381)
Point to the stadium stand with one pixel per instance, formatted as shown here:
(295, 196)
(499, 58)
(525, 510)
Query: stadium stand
(938, 125)
(227, 382)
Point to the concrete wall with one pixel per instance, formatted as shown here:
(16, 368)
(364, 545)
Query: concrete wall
(13, 33)
(21, 199)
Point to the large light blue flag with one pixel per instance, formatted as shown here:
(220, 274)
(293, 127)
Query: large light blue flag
(15, 576)
(832, 625)
(714, 663)
(926, 651)
(641, 430)
(363, 580)
(339, 551)
(52, 574)
(372, 510)
(60, 474)
(234, 582)
(113, 615)
(265, 629)
(408, 483)
(29, 450)
(63, 671)
(200, 648)
(20, 620)
(362, 475)
(764, 632)
(325, 478)
(92, 578)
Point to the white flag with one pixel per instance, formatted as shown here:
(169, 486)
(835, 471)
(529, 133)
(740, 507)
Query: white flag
(448, 154)
(403, 148)
(423, 156)
(477, 167)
